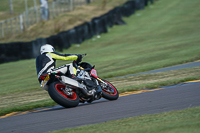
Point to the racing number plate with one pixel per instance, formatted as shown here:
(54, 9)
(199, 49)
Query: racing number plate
(44, 82)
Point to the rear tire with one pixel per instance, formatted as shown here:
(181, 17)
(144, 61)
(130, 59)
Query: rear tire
(61, 98)
(108, 95)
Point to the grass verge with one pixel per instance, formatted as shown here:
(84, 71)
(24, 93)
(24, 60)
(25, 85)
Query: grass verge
(155, 80)
(183, 121)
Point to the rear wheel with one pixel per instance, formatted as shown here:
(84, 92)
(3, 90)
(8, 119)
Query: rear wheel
(109, 92)
(56, 92)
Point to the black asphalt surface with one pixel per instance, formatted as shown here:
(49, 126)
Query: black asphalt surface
(169, 99)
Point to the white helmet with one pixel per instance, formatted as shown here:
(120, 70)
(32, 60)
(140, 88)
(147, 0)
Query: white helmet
(46, 48)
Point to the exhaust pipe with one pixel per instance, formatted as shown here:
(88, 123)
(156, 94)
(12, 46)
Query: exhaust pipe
(75, 84)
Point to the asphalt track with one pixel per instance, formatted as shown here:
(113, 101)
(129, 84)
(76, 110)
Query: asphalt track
(158, 100)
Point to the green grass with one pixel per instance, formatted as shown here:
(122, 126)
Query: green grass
(149, 41)
(184, 121)
(164, 34)
(155, 80)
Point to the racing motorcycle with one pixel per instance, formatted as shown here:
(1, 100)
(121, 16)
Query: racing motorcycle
(69, 93)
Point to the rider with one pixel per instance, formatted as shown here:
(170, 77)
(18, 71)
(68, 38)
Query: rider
(46, 62)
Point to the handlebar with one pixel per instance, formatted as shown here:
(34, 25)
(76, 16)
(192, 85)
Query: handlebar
(84, 55)
(75, 64)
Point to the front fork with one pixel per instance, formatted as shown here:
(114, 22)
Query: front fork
(104, 84)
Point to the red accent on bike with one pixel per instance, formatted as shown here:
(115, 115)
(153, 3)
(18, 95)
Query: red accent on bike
(115, 91)
(43, 76)
(94, 73)
(58, 88)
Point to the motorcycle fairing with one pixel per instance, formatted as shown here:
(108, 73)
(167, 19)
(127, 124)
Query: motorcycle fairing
(94, 73)
(71, 82)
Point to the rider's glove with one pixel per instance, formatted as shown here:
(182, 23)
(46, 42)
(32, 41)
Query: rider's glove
(79, 59)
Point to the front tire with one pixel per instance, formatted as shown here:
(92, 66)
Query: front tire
(108, 94)
(60, 97)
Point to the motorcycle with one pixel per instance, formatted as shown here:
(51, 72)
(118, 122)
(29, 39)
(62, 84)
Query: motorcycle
(69, 93)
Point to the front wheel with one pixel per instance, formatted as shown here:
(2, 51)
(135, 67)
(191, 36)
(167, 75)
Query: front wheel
(109, 92)
(56, 92)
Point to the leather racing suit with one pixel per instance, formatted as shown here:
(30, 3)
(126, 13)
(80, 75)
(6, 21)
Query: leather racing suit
(46, 63)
